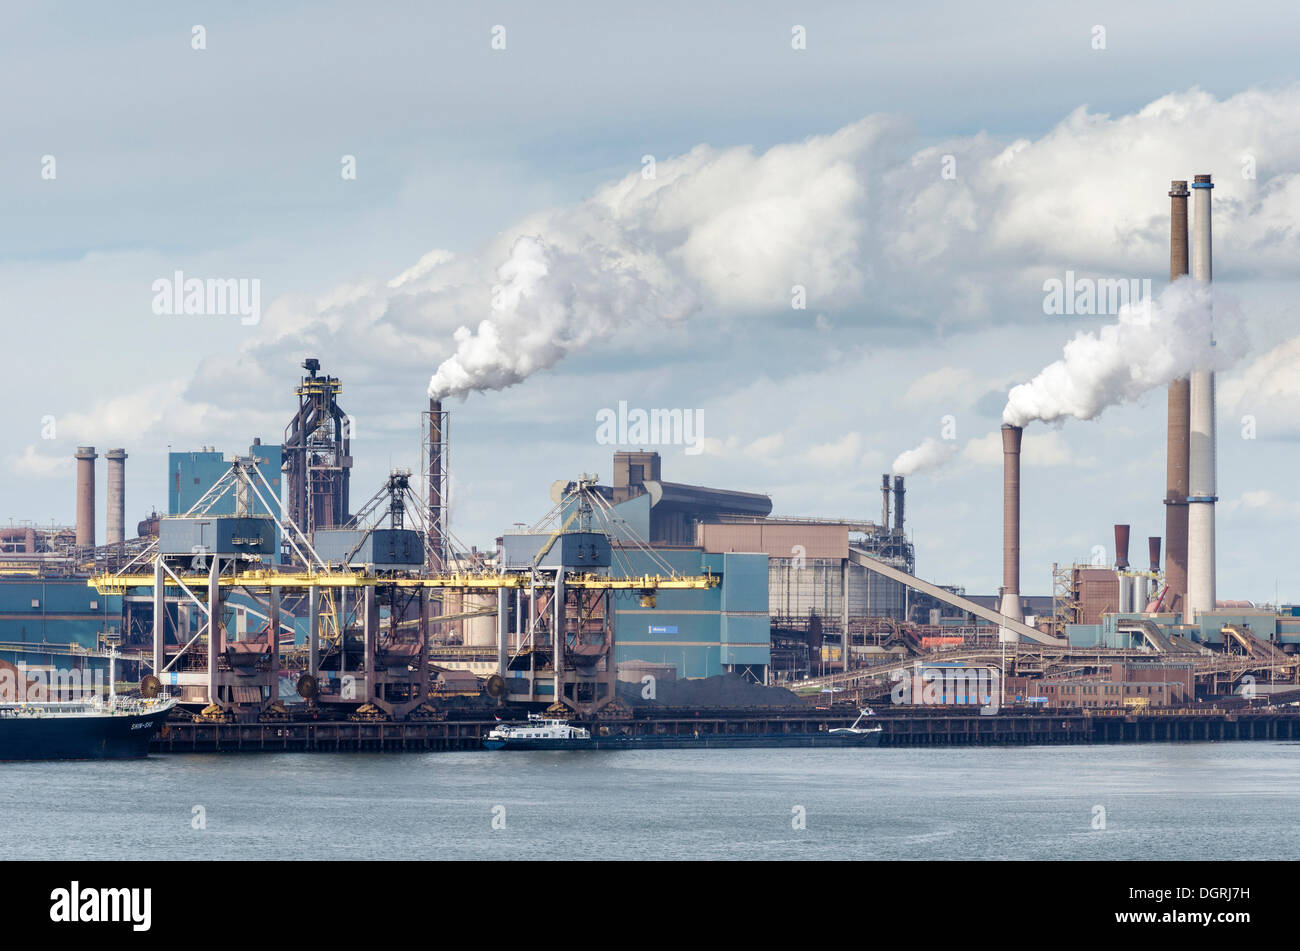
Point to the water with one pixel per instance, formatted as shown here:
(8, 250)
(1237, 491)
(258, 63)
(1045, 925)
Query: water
(1161, 801)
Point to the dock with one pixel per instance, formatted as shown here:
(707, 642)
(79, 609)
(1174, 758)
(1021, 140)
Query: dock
(914, 728)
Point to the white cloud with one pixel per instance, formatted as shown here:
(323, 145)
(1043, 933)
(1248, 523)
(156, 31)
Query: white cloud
(941, 384)
(34, 463)
(1046, 449)
(838, 453)
(1267, 389)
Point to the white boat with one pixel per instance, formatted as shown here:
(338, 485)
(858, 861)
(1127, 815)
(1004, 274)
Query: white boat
(539, 733)
(855, 729)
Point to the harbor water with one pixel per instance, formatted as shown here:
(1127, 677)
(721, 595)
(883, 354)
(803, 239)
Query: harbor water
(1148, 801)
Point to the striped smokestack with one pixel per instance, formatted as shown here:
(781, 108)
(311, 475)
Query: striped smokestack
(1011, 522)
(1179, 423)
(1202, 488)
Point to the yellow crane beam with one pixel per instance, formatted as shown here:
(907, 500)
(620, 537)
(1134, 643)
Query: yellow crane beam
(119, 583)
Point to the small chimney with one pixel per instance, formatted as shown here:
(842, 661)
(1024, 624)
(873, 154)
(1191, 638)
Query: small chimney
(86, 457)
(1127, 596)
(1121, 546)
(884, 503)
(1011, 436)
(898, 505)
(1153, 549)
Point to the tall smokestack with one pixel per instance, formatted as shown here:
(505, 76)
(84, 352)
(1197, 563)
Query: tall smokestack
(1011, 522)
(1121, 569)
(86, 457)
(1179, 423)
(436, 561)
(1201, 494)
(884, 503)
(115, 533)
(898, 505)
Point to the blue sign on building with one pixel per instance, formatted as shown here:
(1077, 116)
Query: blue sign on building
(663, 630)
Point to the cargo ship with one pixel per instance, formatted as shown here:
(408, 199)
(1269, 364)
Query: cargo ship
(546, 733)
(81, 729)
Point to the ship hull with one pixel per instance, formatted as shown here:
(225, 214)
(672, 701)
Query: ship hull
(78, 737)
(711, 741)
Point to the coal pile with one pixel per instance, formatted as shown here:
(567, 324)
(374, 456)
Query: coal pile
(725, 691)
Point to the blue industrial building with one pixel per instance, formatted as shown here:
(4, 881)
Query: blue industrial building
(191, 474)
(701, 632)
(56, 611)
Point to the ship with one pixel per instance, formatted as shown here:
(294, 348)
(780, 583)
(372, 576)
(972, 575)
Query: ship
(549, 733)
(116, 728)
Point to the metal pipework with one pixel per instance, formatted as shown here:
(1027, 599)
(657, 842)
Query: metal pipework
(86, 457)
(115, 529)
(1010, 607)
(1179, 422)
(1202, 487)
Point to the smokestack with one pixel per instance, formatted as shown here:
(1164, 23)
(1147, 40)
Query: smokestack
(1201, 445)
(1011, 522)
(86, 457)
(1121, 569)
(1121, 546)
(898, 505)
(115, 533)
(1153, 549)
(436, 564)
(884, 503)
(1179, 422)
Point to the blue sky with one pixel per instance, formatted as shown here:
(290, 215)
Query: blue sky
(225, 162)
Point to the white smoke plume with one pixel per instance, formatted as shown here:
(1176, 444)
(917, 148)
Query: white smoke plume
(931, 453)
(1149, 345)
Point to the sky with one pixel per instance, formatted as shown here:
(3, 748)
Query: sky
(557, 208)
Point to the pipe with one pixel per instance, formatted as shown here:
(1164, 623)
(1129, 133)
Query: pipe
(1179, 423)
(86, 457)
(1010, 607)
(898, 505)
(1201, 443)
(115, 530)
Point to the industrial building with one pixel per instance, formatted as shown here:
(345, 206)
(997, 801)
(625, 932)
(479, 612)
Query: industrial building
(264, 571)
